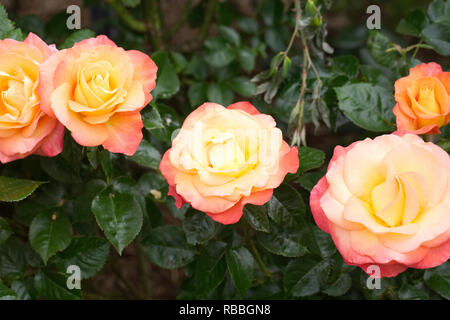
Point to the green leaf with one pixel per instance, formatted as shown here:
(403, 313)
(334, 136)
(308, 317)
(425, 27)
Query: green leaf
(12, 189)
(309, 179)
(31, 23)
(12, 258)
(256, 217)
(197, 94)
(438, 36)
(248, 25)
(60, 169)
(243, 86)
(300, 277)
(368, 106)
(7, 28)
(210, 268)
(230, 35)
(77, 36)
(170, 121)
(378, 43)
(198, 228)
(81, 207)
(219, 93)
(221, 57)
(272, 12)
(444, 144)
(179, 61)
(283, 242)
(152, 181)
(131, 3)
(413, 24)
(197, 67)
(439, 10)
(50, 233)
(167, 247)
(89, 253)
(152, 119)
(276, 38)
(310, 158)
(5, 230)
(438, 279)
(319, 242)
(167, 82)
(119, 215)
(147, 155)
(346, 65)
(240, 264)
(24, 288)
(375, 76)
(286, 207)
(7, 293)
(412, 292)
(53, 286)
(340, 286)
(246, 58)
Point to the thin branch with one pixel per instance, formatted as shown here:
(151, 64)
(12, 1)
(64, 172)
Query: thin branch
(253, 249)
(126, 16)
(294, 34)
(153, 22)
(211, 7)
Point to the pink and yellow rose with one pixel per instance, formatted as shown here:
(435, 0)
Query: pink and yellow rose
(423, 99)
(96, 90)
(24, 128)
(386, 202)
(224, 158)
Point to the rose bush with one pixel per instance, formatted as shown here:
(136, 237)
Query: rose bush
(193, 159)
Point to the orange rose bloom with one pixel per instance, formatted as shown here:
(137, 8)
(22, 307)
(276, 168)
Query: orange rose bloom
(24, 128)
(224, 158)
(96, 90)
(423, 99)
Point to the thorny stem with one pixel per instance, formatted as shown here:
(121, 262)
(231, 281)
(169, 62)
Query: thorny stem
(294, 34)
(253, 249)
(126, 16)
(416, 50)
(307, 63)
(153, 22)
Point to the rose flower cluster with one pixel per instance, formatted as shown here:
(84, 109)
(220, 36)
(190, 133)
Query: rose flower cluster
(384, 201)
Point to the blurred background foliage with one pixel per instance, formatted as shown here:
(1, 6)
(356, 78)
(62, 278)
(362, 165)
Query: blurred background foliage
(313, 65)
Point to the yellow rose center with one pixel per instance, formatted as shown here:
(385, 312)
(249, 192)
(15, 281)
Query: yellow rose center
(19, 102)
(95, 85)
(395, 201)
(428, 100)
(224, 152)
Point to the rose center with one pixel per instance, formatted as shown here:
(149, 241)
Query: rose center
(427, 99)
(224, 153)
(396, 201)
